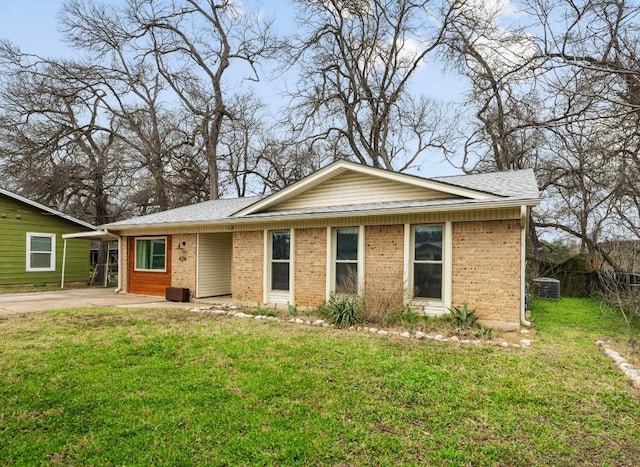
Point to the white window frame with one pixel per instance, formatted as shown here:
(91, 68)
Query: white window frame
(332, 250)
(135, 254)
(52, 253)
(429, 306)
(276, 295)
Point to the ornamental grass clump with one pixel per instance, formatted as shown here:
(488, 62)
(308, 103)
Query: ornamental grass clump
(343, 310)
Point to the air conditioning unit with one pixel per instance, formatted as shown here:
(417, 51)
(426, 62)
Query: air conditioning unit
(547, 287)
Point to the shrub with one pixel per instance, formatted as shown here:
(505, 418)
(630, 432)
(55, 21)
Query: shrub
(406, 317)
(343, 310)
(377, 304)
(622, 298)
(462, 316)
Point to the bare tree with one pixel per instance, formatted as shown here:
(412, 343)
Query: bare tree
(592, 66)
(620, 295)
(503, 115)
(282, 162)
(154, 137)
(560, 100)
(195, 43)
(504, 108)
(357, 60)
(56, 143)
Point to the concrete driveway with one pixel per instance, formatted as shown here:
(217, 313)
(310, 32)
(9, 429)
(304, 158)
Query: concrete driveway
(78, 298)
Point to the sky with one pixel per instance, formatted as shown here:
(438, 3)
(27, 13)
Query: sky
(32, 26)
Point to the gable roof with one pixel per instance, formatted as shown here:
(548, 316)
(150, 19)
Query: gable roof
(488, 190)
(44, 208)
(338, 168)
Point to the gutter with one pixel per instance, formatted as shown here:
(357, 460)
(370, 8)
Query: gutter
(524, 219)
(332, 215)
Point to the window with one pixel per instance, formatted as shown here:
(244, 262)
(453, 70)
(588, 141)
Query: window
(427, 261)
(346, 260)
(41, 252)
(280, 259)
(151, 254)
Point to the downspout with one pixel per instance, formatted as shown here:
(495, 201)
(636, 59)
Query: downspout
(524, 223)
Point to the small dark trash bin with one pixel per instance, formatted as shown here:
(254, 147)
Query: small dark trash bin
(177, 294)
(547, 287)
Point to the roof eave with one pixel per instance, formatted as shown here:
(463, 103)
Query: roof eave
(263, 219)
(91, 235)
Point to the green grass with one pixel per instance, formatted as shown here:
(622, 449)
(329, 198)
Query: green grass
(26, 288)
(169, 387)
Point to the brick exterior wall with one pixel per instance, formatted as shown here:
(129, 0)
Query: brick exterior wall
(486, 268)
(124, 258)
(383, 266)
(310, 266)
(247, 266)
(183, 263)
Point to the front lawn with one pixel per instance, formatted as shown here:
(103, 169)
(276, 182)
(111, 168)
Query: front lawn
(28, 288)
(169, 387)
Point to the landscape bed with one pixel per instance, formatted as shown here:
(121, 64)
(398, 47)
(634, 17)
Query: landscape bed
(148, 386)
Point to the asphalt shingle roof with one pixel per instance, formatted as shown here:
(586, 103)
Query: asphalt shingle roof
(200, 212)
(510, 185)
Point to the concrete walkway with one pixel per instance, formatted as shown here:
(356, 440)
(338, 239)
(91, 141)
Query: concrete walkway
(78, 298)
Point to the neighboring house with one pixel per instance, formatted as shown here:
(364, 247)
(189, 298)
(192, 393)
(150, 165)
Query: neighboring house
(31, 243)
(426, 243)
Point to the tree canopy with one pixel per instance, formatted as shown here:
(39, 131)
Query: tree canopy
(170, 102)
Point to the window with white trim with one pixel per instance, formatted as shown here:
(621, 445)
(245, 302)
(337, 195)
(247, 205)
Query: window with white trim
(41, 252)
(151, 254)
(427, 261)
(346, 260)
(280, 259)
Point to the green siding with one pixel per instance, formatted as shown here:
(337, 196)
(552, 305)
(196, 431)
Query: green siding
(16, 219)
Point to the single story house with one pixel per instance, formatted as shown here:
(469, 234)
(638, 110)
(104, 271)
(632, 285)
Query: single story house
(427, 243)
(32, 244)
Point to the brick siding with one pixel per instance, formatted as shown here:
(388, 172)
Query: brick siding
(183, 263)
(384, 264)
(247, 266)
(310, 266)
(486, 268)
(124, 258)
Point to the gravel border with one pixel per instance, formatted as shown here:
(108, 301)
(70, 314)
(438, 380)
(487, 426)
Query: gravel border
(233, 311)
(625, 367)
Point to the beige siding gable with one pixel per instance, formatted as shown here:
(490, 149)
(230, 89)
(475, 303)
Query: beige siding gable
(357, 188)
